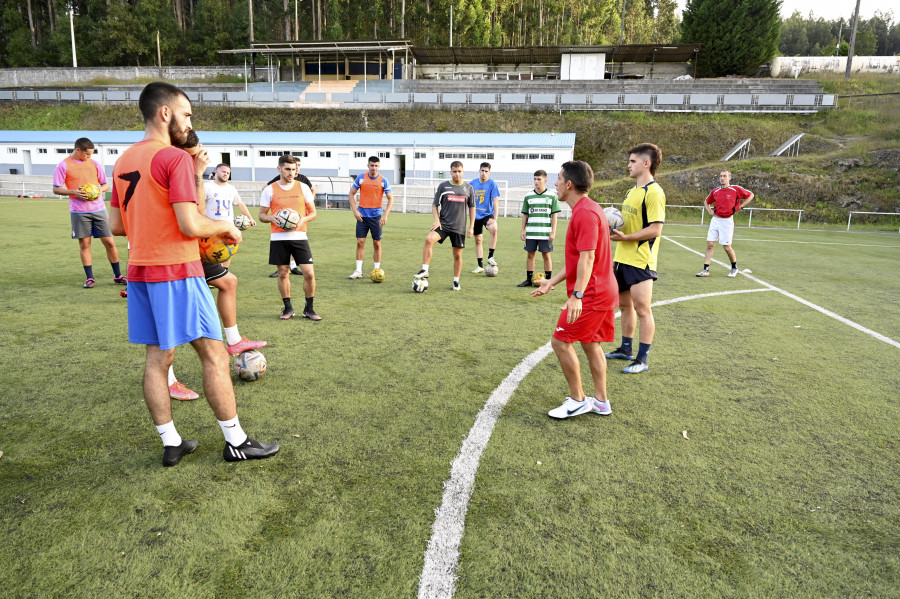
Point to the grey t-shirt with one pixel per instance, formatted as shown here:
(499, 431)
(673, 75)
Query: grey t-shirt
(453, 202)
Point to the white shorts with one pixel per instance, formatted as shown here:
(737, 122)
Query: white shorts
(721, 230)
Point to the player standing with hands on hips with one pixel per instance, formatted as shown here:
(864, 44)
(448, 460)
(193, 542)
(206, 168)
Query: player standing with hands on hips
(644, 211)
(154, 203)
(588, 315)
(722, 203)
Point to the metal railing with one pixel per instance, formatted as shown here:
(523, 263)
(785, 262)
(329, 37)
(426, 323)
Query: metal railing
(852, 212)
(750, 212)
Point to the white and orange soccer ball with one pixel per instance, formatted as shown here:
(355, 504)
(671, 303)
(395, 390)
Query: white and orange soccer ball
(286, 219)
(215, 250)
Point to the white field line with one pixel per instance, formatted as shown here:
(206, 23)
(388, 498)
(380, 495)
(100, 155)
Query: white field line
(829, 313)
(746, 240)
(438, 579)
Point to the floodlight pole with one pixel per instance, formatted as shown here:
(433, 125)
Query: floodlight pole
(622, 28)
(72, 29)
(852, 41)
(252, 55)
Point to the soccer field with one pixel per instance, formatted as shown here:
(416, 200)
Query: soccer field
(756, 458)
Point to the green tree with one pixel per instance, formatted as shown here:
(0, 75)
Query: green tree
(737, 35)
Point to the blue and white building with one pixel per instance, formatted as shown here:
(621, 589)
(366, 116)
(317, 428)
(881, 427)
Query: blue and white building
(253, 156)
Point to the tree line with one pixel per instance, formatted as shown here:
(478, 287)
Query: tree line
(36, 33)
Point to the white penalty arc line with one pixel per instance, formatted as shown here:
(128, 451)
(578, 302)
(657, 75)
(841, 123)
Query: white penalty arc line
(807, 303)
(438, 579)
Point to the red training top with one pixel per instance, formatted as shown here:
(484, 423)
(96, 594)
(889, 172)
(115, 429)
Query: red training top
(589, 230)
(727, 200)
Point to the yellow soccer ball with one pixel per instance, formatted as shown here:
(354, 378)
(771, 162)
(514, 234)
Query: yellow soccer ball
(214, 250)
(537, 278)
(93, 191)
(377, 275)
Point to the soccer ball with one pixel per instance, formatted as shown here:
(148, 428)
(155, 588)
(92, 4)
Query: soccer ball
(93, 191)
(537, 278)
(491, 270)
(215, 251)
(250, 365)
(377, 275)
(286, 219)
(242, 222)
(614, 217)
(420, 285)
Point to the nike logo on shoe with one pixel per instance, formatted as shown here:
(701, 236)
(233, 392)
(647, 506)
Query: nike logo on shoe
(572, 411)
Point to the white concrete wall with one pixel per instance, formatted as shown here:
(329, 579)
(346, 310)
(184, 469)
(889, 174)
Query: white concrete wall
(21, 77)
(792, 66)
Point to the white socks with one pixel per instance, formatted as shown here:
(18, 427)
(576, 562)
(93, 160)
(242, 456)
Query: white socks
(172, 379)
(378, 265)
(425, 267)
(232, 335)
(168, 434)
(359, 265)
(233, 432)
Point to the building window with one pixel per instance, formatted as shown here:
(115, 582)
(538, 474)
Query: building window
(547, 156)
(526, 156)
(12, 150)
(384, 154)
(325, 154)
(241, 152)
(299, 154)
(112, 151)
(296, 153)
(421, 155)
(42, 150)
(359, 154)
(63, 151)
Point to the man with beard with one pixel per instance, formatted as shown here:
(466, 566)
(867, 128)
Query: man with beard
(154, 203)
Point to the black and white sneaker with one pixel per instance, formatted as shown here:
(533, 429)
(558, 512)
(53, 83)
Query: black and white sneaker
(251, 449)
(172, 454)
(525, 283)
(422, 274)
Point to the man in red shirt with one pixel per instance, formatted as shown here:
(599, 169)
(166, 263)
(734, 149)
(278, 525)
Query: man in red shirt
(722, 203)
(588, 316)
(154, 202)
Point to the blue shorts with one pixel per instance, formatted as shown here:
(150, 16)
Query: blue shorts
(369, 223)
(171, 313)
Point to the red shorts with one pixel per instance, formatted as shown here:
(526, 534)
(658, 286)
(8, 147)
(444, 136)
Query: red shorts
(590, 327)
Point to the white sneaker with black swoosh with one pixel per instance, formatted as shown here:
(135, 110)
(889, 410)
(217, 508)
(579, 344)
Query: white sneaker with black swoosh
(572, 408)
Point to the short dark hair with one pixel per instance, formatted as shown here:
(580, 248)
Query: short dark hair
(540, 173)
(455, 163)
(374, 159)
(158, 94)
(580, 174)
(287, 159)
(485, 164)
(221, 164)
(83, 143)
(651, 151)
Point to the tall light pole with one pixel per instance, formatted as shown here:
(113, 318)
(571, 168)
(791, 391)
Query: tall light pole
(72, 29)
(252, 55)
(852, 41)
(622, 30)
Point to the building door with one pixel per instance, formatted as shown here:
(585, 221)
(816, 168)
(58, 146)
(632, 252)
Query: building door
(26, 161)
(401, 168)
(226, 158)
(343, 165)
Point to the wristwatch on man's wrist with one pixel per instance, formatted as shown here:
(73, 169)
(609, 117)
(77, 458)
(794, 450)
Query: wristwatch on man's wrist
(578, 294)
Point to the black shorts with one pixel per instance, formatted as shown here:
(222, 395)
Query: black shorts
(457, 240)
(627, 275)
(281, 251)
(481, 223)
(538, 245)
(213, 271)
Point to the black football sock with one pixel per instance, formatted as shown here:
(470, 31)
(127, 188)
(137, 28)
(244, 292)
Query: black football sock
(116, 272)
(490, 253)
(309, 304)
(287, 303)
(481, 263)
(89, 272)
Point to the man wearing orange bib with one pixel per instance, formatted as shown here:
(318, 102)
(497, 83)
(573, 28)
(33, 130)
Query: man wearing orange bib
(284, 245)
(154, 203)
(370, 216)
(89, 217)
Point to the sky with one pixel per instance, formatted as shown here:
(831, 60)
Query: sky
(834, 9)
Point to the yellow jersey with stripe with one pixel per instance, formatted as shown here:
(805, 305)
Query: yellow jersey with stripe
(643, 206)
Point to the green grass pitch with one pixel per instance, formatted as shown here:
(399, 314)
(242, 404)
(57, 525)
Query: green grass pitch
(786, 485)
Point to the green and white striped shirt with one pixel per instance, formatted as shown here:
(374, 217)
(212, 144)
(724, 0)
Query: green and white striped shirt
(540, 207)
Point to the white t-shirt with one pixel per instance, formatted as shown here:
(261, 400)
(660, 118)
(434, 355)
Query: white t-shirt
(220, 200)
(265, 200)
